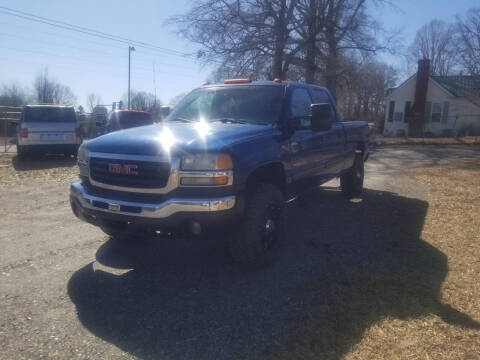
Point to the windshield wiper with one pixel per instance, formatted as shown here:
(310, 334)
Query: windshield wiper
(227, 120)
(181, 119)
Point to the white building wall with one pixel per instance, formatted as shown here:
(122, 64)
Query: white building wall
(461, 111)
(400, 95)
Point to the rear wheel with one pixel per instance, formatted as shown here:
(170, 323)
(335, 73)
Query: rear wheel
(73, 152)
(256, 242)
(351, 183)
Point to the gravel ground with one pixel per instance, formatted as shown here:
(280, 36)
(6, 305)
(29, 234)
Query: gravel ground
(354, 280)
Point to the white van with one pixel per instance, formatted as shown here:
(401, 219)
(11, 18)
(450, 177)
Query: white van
(48, 129)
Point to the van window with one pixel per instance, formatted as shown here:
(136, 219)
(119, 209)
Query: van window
(49, 114)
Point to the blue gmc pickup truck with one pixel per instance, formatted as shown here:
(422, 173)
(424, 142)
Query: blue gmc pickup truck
(227, 154)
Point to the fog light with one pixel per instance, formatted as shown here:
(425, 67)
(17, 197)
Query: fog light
(195, 228)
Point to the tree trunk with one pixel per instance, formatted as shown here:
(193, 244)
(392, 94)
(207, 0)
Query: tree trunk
(280, 41)
(331, 73)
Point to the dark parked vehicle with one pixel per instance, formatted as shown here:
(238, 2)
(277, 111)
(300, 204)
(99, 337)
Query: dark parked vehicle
(230, 154)
(126, 119)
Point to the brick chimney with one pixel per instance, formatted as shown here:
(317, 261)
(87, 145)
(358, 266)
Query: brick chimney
(416, 123)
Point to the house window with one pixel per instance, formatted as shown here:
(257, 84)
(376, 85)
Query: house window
(398, 116)
(436, 112)
(446, 105)
(428, 111)
(391, 110)
(408, 105)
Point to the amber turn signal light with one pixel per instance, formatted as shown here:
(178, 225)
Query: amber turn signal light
(224, 162)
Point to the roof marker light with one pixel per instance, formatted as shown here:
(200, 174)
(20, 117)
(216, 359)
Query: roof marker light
(238, 81)
(277, 80)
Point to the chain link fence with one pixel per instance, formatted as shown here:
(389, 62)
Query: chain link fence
(9, 120)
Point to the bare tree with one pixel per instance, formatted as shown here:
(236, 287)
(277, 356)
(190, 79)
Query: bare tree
(436, 41)
(93, 100)
(279, 38)
(144, 101)
(363, 87)
(48, 91)
(13, 95)
(176, 99)
(468, 31)
(44, 87)
(62, 94)
(243, 37)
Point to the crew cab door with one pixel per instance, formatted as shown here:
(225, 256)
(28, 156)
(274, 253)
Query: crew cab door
(330, 142)
(305, 153)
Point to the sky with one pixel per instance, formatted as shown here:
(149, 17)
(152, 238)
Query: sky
(88, 64)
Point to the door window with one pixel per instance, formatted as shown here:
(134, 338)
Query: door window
(320, 97)
(300, 107)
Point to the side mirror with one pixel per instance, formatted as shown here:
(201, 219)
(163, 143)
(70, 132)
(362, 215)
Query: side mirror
(164, 111)
(322, 117)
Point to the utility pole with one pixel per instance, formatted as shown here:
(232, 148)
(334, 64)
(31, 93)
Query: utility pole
(130, 49)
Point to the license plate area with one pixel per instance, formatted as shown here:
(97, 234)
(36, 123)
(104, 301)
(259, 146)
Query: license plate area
(51, 137)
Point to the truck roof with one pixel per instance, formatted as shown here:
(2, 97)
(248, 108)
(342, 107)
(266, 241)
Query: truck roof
(48, 105)
(130, 111)
(265, 82)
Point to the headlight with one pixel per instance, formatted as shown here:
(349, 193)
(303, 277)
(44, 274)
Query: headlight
(82, 156)
(207, 162)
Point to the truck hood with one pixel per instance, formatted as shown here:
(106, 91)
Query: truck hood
(176, 138)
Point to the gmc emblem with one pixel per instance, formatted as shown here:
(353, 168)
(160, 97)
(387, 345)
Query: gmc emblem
(123, 169)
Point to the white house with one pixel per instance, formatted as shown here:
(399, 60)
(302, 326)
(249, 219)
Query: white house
(433, 105)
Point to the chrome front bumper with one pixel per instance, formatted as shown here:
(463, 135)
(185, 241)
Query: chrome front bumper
(149, 210)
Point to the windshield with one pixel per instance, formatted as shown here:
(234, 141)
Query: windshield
(131, 119)
(248, 104)
(49, 114)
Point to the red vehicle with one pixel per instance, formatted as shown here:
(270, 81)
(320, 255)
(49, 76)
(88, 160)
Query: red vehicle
(125, 119)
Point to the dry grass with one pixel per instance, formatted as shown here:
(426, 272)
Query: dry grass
(418, 297)
(36, 170)
(468, 140)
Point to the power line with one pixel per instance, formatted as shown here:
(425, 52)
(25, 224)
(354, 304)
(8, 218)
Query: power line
(56, 34)
(92, 51)
(91, 32)
(145, 51)
(108, 65)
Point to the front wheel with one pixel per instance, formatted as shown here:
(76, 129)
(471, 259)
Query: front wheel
(351, 182)
(256, 242)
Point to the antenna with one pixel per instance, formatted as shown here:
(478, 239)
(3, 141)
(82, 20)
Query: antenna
(154, 85)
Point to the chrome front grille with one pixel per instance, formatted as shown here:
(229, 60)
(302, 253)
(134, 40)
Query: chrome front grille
(144, 174)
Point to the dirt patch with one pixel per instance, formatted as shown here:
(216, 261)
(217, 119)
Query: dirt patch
(41, 169)
(380, 140)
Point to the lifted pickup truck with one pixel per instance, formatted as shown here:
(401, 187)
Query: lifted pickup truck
(228, 154)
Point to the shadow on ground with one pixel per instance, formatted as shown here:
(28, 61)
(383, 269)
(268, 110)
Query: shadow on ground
(346, 265)
(43, 162)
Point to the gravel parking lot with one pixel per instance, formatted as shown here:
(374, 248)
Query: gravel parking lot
(391, 275)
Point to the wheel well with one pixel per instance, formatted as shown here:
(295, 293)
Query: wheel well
(273, 173)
